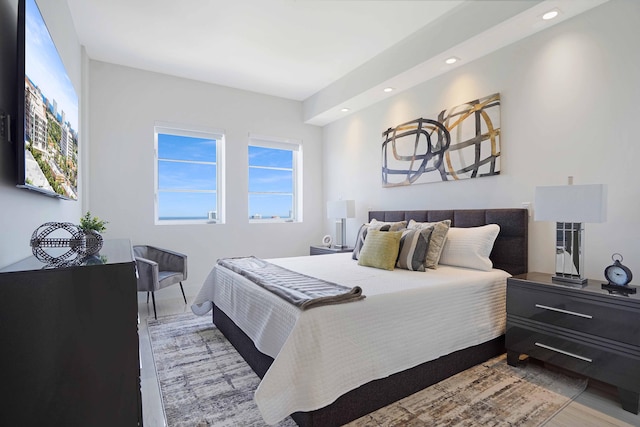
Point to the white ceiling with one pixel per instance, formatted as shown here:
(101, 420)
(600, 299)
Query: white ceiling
(285, 48)
(299, 49)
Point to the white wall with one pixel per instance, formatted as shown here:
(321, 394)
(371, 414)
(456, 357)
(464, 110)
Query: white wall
(125, 103)
(22, 211)
(569, 107)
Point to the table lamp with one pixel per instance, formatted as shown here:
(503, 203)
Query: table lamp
(342, 209)
(570, 206)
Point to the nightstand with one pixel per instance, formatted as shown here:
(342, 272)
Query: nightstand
(586, 330)
(323, 250)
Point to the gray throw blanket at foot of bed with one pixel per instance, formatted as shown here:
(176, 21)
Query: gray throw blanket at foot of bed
(300, 290)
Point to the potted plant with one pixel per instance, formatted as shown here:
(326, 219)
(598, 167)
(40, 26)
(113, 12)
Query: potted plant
(92, 226)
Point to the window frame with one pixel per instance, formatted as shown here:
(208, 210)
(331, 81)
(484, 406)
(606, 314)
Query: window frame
(194, 132)
(290, 144)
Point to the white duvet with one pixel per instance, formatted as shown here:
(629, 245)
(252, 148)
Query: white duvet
(407, 318)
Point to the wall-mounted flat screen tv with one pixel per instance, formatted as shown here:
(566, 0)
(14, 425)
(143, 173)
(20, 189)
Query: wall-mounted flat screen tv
(47, 125)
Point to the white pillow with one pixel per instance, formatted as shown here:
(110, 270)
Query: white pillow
(470, 247)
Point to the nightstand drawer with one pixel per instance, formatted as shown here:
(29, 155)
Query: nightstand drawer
(608, 364)
(598, 318)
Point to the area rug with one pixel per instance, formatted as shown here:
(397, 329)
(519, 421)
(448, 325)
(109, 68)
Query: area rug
(205, 382)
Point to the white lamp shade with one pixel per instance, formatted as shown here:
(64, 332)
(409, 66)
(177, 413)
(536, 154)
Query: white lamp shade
(341, 209)
(571, 203)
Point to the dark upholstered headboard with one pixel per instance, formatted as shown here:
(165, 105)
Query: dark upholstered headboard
(510, 249)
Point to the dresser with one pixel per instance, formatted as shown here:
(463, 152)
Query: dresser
(69, 335)
(587, 330)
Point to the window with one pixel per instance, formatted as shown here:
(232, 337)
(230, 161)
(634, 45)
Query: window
(275, 180)
(188, 176)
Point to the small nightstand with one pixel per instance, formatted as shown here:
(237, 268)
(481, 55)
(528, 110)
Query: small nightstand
(583, 329)
(323, 250)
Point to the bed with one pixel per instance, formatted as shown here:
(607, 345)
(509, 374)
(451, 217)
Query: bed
(355, 396)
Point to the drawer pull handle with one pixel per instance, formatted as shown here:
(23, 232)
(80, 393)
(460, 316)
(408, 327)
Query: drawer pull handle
(557, 350)
(559, 310)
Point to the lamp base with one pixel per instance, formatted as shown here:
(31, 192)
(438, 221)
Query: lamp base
(343, 234)
(569, 280)
(569, 254)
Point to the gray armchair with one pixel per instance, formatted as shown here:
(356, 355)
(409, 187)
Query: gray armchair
(157, 269)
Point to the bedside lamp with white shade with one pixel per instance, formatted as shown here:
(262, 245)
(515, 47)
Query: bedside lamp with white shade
(341, 209)
(570, 206)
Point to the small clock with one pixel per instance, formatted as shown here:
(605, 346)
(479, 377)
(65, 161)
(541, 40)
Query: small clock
(617, 274)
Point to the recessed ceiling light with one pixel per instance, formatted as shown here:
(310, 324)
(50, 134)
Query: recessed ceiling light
(451, 60)
(550, 15)
(344, 110)
(388, 89)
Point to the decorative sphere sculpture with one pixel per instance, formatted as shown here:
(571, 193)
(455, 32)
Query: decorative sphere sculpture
(81, 244)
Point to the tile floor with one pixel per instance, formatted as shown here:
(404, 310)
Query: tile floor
(597, 406)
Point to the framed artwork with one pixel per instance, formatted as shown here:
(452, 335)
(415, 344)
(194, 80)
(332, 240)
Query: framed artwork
(460, 142)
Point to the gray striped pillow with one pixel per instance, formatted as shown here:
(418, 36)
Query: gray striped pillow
(414, 245)
(436, 242)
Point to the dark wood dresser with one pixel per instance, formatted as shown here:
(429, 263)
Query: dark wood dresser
(70, 342)
(587, 330)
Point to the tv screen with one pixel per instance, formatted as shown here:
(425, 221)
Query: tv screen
(47, 127)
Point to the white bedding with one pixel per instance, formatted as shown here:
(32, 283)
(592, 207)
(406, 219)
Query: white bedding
(407, 318)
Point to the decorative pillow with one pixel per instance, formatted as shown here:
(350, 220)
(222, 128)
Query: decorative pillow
(436, 243)
(374, 225)
(393, 226)
(470, 247)
(413, 249)
(362, 233)
(380, 249)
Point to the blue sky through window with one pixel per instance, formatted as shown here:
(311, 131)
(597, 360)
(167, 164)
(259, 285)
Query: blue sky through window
(187, 177)
(274, 157)
(178, 147)
(44, 67)
(270, 182)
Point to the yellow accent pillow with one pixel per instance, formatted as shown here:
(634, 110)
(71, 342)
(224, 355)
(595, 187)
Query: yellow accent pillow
(380, 249)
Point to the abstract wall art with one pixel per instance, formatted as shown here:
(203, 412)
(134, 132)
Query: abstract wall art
(458, 143)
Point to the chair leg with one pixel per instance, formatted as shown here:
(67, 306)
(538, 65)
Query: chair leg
(182, 289)
(153, 298)
(147, 297)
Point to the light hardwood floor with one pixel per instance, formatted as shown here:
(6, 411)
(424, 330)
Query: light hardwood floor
(597, 406)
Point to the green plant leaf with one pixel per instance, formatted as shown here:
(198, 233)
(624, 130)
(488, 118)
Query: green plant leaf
(89, 222)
